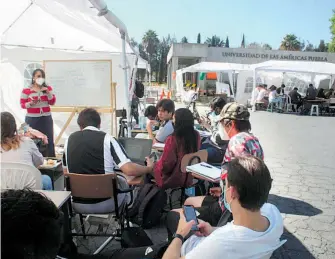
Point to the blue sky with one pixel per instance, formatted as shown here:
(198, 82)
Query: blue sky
(263, 21)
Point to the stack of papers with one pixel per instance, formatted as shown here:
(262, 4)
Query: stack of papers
(205, 170)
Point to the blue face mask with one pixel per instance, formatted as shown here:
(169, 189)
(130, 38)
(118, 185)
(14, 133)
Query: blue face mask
(226, 204)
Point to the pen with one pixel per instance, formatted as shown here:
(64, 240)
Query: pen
(206, 166)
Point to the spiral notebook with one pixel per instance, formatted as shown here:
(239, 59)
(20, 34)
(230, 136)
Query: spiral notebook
(206, 170)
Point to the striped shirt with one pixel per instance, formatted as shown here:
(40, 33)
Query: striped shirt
(44, 100)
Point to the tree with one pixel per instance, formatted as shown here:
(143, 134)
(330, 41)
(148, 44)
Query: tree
(184, 40)
(214, 41)
(322, 46)
(150, 44)
(309, 47)
(199, 38)
(331, 47)
(133, 42)
(254, 45)
(227, 42)
(243, 42)
(291, 42)
(164, 48)
(267, 46)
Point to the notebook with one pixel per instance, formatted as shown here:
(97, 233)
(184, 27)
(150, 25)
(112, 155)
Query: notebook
(204, 133)
(205, 170)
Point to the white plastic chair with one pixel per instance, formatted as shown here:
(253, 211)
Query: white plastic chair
(289, 104)
(314, 110)
(20, 176)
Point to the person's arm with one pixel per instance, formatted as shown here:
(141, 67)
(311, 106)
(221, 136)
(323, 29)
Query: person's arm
(168, 160)
(164, 132)
(24, 100)
(51, 96)
(149, 129)
(174, 249)
(36, 155)
(123, 162)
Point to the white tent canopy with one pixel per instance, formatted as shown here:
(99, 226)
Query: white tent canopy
(322, 68)
(214, 67)
(35, 30)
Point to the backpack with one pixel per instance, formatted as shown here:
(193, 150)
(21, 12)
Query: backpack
(146, 210)
(134, 237)
(139, 89)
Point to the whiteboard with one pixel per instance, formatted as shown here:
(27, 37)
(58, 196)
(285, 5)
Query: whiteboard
(80, 82)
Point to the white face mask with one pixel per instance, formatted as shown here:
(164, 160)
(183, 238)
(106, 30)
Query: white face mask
(40, 81)
(222, 132)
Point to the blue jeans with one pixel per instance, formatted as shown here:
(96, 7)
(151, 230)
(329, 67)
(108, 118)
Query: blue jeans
(46, 182)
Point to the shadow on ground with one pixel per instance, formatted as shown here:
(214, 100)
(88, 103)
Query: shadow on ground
(293, 206)
(292, 249)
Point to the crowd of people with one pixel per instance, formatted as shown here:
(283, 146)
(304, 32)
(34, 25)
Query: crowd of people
(242, 191)
(279, 97)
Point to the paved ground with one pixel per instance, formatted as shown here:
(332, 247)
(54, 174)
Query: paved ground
(300, 152)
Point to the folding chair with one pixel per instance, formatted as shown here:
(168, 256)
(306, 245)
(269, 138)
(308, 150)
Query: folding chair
(102, 186)
(187, 160)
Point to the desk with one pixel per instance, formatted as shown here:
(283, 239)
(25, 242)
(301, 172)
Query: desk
(57, 197)
(55, 173)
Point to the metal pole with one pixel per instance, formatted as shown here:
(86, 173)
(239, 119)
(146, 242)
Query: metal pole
(126, 83)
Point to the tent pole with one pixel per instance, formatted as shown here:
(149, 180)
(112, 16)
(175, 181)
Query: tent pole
(126, 83)
(330, 81)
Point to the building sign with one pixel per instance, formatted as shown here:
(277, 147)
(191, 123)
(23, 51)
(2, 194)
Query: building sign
(274, 56)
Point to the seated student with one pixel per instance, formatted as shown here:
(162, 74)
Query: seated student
(165, 109)
(281, 90)
(311, 92)
(321, 93)
(152, 123)
(17, 149)
(31, 225)
(235, 121)
(216, 144)
(261, 95)
(275, 98)
(295, 98)
(257, 226)
(91, 151)
(184, 140)
(329, 93)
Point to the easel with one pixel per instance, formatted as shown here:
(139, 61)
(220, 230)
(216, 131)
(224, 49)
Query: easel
(73, 110)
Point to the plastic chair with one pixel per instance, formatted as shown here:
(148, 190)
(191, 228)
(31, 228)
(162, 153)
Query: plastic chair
(270, 107)
(101, 186)
(289, 104)
(187, 160)
(316, 108)
(19, 176)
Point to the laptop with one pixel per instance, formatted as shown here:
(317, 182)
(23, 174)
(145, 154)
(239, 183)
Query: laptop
(136, 149)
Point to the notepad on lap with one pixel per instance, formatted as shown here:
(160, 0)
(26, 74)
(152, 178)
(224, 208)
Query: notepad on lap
(205, 170)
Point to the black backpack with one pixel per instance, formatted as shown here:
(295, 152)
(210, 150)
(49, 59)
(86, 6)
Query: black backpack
(139, 89)
(147, 208)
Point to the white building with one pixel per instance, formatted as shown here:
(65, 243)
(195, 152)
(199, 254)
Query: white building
(185, 54)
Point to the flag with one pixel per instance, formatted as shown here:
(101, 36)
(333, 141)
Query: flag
(243, 42)
(202, 76)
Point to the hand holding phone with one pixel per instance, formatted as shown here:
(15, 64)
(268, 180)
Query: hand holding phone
(190, 214)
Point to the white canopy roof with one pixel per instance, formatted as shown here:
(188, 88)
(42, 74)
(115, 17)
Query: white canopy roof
(60, 24)
(214, 67)
(323, 68)
(143, 64)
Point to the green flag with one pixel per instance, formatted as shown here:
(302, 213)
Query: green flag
(202, 76)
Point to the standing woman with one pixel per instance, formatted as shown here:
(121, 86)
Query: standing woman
(37, 100)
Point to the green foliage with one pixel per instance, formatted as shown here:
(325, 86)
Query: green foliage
(214, 41)
(291, 42)
(184, 40)
(331, 47)
(199, 38)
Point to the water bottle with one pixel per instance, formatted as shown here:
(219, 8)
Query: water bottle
(142, 121)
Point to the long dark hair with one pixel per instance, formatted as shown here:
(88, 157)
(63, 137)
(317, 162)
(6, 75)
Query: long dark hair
(43, 76)
(9, 137)
(184, 130)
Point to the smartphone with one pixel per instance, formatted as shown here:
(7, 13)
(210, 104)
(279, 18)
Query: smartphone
(190, 214)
